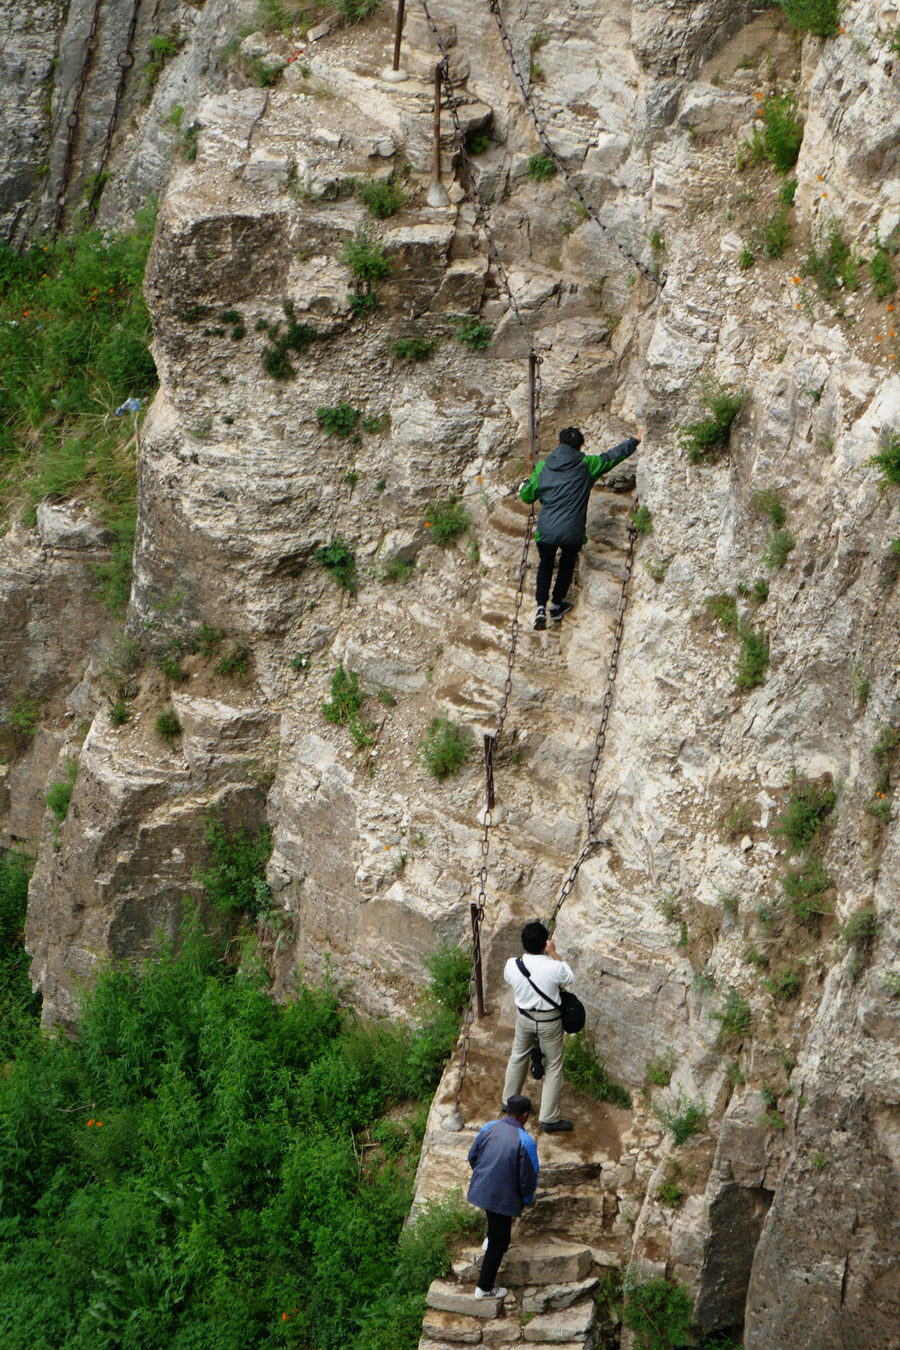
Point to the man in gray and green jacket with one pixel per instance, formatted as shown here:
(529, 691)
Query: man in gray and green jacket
(562, 482)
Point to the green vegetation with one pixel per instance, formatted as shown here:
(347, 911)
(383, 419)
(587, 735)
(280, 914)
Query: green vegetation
(681, 1116)
(478, 143)
(808, 805)
(235, 881)
(888, 461)
(383, 197)
(785, 983)
(830, 263)
(297, 337)
(735, 1020)
(659, 1068)
(396, 568)
(803, 889)
(813, 16)
(167, 724)
(163, 46)
(234, 662)
(540, 168)
(471, 331)
(445, 747)
(859, 935)
(74, 346)
(210, 1168)
(413, 349)
(23, 716)
(641, 520)
(669, 1192)
(346, 697)
(447, 519)
(769, 503)
(779, 546)
(760, 590)
(19, 1008)
(354, 11)
(722, 608)
(709, 434)
(787, 192)
(60, 794)
(752, 663)
(339, 421)
(884, 282)
(778, 142)
(586, 1072)
(365, 258)
(339, 559)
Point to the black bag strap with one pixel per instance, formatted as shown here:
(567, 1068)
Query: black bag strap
(521, 964)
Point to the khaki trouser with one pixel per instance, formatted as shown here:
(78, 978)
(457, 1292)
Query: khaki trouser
(550, 1034)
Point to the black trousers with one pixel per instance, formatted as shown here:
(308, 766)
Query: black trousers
(499, 1228)
(568, 557)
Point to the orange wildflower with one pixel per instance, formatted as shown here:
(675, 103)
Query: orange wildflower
(824, 194)
(891, 333)
(796, 281)
(819, 176)
(91, 1121)
(428, 524)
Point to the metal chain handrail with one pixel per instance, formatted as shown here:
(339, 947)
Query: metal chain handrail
(658, 280)
(72, 120)
(124, 60)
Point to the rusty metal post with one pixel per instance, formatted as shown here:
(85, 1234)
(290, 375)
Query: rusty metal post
(394, 74)
(532, 373)
(489, 744)
(437, 193)
(476, 946)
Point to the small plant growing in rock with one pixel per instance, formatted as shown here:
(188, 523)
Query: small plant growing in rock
(769, 503)
(23, 716)
(586, 1072)
(339, 421)
(880, 270)
(779, 546)
(363, 304)
(723, 403)
(235, 878)
(234, 662)
(471, 332)
(340, 560)
(445, 747)
(681, 1116)
(413, 349)
(396, 569)
(669, 1192)
(60, 794)
(735, 1020)
(773, 235)
(119, 712)
(738, 820)
(541, 168)
(821, 17)
(346, 697)
(208, 640)
(753, 661)
(365, 258)
(170, 664)
(859, 935)
(641, 520)
(808, 805)
(722, 608)
(888, 461)
(297, 337)
(478, 143)
(656, 568)
(760, 590)
(659, 1068)
(383, 197)
(785, 983)
(804, 889)
(167, 725)
(447, 519)
(830, 262)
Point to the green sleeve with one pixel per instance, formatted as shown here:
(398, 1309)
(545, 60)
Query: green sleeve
(598, 464)
(528, 491)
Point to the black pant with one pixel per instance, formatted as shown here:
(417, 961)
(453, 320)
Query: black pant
(568, 557)
(499, 1228)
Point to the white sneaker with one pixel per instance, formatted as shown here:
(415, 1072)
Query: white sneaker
(484, 1245)
(497, 1292)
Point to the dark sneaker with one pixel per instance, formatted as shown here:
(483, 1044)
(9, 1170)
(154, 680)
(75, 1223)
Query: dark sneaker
(555, 1126)
(540, 618)
(557, 611)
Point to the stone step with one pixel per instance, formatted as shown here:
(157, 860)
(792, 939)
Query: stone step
(577, 1212)
(455, 1328)
(548, 1262)
(566, 1326)
(555, 1297)
(446, 1296)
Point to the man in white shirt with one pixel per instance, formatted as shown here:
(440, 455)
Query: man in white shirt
(537, 1010)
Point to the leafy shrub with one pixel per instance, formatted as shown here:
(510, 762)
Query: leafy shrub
(813, 16)
(235, 877)
(413, 349)
(722, 608)
(447, 519)
(340, 560)
(659, 1068)
(234, 662)
(167, 725)
(888, 461)
(753, 661)
(779, 546)
(354, 11)
(641, 520)
(859, 934)
(681, 1116)
(769, 503)
(760, 590)
(365, 258)
(478, 143)
(808, 805)
(774, 233)
(785, 983)
(787, 192)
(830, 262)
(60, 794)
(709, 434)
(586, 1072)
(782, 131)
(23, 716)
(297, 337)
(471, 331)
(735, 1020)
(804, 888)
(363, 304)
(396, 569)
(339, 421)
(540, 168)
(445, 747)
(881, 271)
(19, 1007)
(346, 697)
(383, 197)
(119, 712)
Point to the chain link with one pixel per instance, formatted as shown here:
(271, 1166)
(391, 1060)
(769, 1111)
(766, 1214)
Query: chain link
(72, 121)
(124, 60)
(658, 280)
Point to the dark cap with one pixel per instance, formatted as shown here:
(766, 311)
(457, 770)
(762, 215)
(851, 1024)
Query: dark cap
(571, 436)
(517, 1106)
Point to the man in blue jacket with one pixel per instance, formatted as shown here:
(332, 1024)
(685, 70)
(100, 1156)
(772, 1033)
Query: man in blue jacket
(562, 482)
(504, 1178)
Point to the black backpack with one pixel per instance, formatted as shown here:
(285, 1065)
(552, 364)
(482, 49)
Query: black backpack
(571, 1008)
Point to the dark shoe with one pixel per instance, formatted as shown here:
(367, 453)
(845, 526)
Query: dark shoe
(557, 611)
(555, 1126)
(537, 1060)
(540, 618)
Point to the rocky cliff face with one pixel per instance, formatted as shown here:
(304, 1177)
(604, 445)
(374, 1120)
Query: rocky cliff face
(791, 1225)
